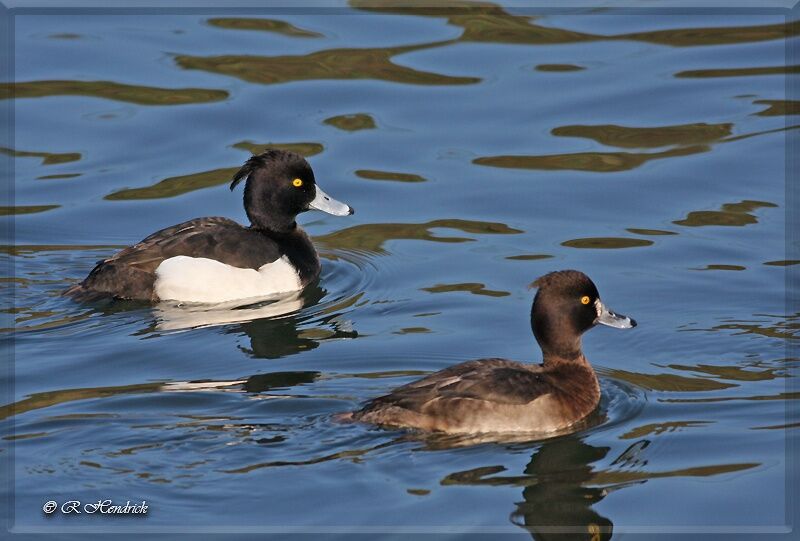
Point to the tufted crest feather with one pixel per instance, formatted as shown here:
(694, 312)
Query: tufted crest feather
(563, 279)
(260, 160)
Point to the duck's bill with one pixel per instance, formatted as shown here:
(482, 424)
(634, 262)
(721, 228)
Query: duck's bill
(612, 319)
(326, 203)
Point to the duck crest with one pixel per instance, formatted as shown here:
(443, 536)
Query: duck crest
(258, 161)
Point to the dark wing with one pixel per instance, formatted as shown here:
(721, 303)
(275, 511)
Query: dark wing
(130, 273)
(495, 381)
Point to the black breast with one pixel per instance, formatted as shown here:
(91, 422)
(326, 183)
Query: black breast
(298, 248)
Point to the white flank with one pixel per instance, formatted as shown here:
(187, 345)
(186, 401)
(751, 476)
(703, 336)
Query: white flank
(199, 279)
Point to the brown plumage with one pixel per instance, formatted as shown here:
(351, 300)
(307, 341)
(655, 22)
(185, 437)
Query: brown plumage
(498, 395)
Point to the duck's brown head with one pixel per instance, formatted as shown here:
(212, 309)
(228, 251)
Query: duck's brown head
(566, 305)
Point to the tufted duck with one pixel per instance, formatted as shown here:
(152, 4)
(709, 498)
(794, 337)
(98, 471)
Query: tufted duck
(212, 260)
(498, 395)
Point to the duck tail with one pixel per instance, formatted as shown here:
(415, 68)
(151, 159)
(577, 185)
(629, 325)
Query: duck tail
(74, 291)
(344, 417)
(80, 293)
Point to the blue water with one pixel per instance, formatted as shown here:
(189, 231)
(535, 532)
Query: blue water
(648, 150)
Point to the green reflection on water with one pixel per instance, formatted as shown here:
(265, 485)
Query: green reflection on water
(699, 471)
(371, 174)
(328, 64)
(669, 382)
(718, 35)
(649, 232)
(30, 209)
(735, 373)
(738, 72)
(141, 95)
(722, 267)
(778, 107)
(559, 67)
(48, 158)
(757, 133)
(372, 237)
(771, 326)
(258, 383)
(263, 25)
(488, 22)
(480, 21)
(353, 122)
(606, 243)
(730, 214)
(174, 186)
(304, 149)
(52, 398)
(652, 137)
(687, 139)
(470, 287)
(59, 177)
(413, 330)
(789, 329)
(529, 257)
(598, 162)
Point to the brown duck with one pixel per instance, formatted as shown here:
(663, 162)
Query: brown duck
(498, 395)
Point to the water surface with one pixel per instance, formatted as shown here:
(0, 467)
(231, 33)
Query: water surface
(482, 147)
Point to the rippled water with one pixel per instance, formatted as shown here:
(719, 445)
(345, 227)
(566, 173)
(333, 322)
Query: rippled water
(482, 147)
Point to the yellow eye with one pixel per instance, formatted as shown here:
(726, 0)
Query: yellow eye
(297, 183)
(585, 299)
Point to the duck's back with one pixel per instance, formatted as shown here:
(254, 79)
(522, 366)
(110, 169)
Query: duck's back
(490, 395)
(189, 252)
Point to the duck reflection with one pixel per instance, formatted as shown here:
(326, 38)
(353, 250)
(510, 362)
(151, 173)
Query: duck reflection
(276, 338)
(560, 502)
(173, 316)
(254, 385)
(561, 486)
(557, 499)
(277, 327)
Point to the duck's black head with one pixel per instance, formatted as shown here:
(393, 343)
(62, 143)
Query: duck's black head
(279, 186)
(567, 305)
